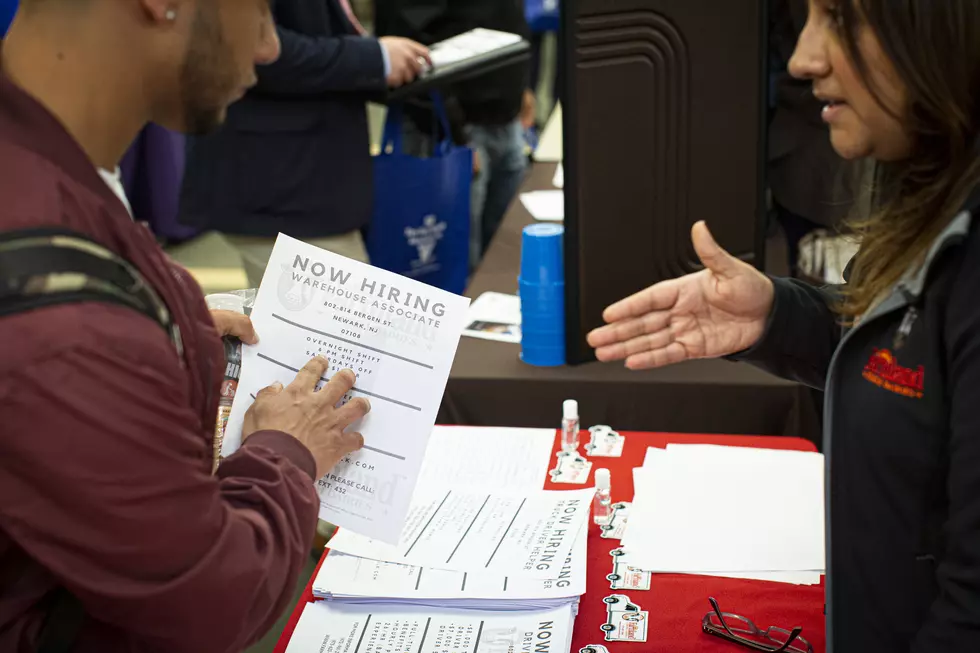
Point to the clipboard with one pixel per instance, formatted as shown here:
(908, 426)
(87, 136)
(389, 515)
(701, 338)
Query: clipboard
(470, 54)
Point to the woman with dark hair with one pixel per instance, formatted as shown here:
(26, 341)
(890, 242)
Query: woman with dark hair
(897, 348)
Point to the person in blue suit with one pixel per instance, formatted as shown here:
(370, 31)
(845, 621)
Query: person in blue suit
(7, 10)
(294, 154)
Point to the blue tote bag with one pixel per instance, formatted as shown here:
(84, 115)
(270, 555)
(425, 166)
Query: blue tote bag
(421, 222)
(543, 15)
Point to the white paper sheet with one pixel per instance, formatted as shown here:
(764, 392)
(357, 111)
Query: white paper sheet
(495, 316)
(786, 577)
(643, 481)
(481, 457)
(398, 335)
(526, 534)
(649, 459)
(343, 575)
(559, 179)
(627, 559)
(765, 507)
(329, 627)
(545, 205)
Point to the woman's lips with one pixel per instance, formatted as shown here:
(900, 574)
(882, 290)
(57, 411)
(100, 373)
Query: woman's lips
(832, 110)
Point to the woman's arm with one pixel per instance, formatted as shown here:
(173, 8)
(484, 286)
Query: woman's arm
(728, 309)
(801, 334)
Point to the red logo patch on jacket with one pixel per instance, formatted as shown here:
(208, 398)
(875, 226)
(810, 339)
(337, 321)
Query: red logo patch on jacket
(884, 371)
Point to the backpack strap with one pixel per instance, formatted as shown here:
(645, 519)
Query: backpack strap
(47, 267)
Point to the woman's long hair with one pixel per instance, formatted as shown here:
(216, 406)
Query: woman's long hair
(934, 46)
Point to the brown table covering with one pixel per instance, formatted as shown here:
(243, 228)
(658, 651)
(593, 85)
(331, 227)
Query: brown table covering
(490, 386)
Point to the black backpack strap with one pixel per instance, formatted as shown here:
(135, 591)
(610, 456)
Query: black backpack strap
(48, 267)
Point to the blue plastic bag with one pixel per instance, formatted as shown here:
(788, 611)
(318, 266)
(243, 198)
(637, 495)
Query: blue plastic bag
(543, 15)
(421, 222)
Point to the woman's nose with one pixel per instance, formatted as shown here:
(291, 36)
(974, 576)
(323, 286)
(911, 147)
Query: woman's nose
(809, 60)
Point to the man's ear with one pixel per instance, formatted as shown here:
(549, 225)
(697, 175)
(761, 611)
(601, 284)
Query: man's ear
(162, 11)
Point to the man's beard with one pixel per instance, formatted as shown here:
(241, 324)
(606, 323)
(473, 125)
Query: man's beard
(207, 78)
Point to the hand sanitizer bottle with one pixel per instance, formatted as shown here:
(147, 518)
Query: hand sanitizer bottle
(569, 426)
(602, 503)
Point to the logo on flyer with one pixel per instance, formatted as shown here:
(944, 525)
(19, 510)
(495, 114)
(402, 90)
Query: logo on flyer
(293, 294)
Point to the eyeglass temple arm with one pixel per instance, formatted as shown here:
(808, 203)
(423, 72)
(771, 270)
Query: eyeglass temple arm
(792, 638)
(720, 615)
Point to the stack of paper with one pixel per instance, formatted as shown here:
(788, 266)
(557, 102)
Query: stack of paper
(344, 628)
(728, 511)
(466, 558)
(361, 580)
(530, 534)
(467, 555)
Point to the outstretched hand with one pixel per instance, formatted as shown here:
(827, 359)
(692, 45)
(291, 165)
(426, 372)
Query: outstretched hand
(718, 311)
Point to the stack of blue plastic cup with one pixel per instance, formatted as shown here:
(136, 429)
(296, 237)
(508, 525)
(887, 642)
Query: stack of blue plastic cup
(542, 290)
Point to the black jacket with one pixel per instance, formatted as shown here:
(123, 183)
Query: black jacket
(294, 154)
(493, 99)
(902, 445)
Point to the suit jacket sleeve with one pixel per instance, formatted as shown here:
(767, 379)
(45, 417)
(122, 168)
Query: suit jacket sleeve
(131, 521)
(315, 65)
(801, 335)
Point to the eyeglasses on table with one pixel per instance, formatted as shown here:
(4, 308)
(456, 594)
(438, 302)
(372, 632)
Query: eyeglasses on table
(740, 630)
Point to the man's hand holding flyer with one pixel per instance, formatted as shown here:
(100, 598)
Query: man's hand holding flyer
(398, 336)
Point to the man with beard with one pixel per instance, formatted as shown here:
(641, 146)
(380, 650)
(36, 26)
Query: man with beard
(115, 535)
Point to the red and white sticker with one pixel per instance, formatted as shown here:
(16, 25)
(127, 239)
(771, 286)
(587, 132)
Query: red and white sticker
(624, 577)
(615, 528)
(625, 621)
(571, 468)
(604, 443)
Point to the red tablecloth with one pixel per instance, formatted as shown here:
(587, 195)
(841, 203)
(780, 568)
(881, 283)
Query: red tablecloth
(676, 603)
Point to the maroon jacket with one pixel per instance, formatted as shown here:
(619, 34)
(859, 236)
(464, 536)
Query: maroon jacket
(105, 444)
